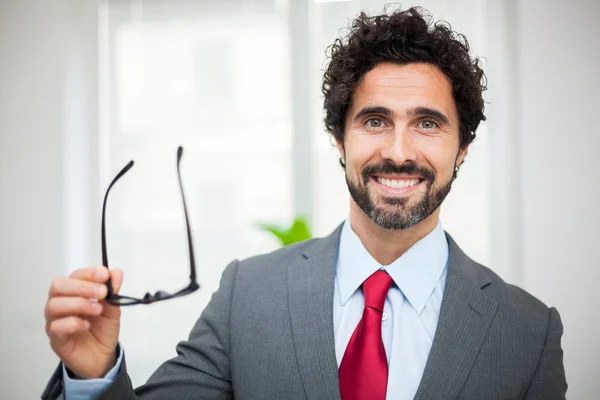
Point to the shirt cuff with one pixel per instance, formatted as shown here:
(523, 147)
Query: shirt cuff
(85, 389)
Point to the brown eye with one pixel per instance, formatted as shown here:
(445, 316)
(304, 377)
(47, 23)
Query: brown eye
(374, 123)
(428, 124)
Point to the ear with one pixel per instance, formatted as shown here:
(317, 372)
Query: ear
(341, 150)
(461, 155)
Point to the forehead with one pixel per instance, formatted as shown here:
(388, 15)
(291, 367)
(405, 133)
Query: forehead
(402, 87)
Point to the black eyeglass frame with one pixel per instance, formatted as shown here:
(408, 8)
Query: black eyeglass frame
(120, 300)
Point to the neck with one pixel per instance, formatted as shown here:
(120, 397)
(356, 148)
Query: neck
(384, 245)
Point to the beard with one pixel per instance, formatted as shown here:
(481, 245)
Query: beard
(398, 213)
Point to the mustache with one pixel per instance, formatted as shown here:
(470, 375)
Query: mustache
(388, 167)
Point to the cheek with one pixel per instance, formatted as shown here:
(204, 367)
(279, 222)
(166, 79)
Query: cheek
(439, 157)
(361, 150)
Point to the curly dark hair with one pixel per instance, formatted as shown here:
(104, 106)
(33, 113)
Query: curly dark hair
(402, 37)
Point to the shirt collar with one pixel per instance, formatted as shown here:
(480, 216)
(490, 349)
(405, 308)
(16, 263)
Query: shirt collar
(415, 273)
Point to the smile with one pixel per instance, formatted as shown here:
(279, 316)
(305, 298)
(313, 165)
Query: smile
(397, 183)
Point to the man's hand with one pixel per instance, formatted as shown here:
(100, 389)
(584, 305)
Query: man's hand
(83, 329)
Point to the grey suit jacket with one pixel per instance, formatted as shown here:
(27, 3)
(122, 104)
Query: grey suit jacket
(267, 333)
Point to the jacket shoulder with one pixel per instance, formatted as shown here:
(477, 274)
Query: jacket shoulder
(516, 304)
(278, 258)
(512, 292)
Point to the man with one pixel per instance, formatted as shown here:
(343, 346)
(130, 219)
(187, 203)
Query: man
(387, 306)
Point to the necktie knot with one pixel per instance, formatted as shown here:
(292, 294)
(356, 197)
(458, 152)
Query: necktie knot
(375, 289)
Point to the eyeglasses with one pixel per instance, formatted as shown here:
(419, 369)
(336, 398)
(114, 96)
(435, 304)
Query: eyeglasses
(119, 300)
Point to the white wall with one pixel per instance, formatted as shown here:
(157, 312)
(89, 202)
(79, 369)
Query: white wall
(559, 61)
(47, 63)
(545, 144)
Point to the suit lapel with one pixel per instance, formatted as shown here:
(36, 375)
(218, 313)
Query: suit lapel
(310, 295)
(465, 317)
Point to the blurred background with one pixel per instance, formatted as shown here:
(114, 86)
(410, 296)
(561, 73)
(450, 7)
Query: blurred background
(87, 85)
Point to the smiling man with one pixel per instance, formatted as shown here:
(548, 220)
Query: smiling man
(401, 144)
(387, 306)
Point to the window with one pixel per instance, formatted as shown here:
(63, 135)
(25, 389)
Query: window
(216, 77)
(213, 77)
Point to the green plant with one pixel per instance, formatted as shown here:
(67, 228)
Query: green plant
(298, 232)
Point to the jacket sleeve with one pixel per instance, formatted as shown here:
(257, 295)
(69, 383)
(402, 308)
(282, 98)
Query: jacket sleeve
(549, 382)
(201, 368)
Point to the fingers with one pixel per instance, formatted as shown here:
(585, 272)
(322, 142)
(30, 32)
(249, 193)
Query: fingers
(60, 307)
(91, 274)
(67, 326)
(69, 287)
(75, 303)
(88, 283)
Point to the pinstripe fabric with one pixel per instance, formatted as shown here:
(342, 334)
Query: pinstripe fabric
(267, 333)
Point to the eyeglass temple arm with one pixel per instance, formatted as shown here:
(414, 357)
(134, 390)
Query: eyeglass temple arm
(104, 252)
(187, 222)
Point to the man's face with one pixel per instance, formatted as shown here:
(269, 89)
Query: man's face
(401, 143)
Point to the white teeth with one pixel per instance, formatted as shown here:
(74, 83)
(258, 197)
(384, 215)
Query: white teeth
(397, 184)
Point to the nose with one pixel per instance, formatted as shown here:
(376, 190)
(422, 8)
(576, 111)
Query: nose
(399, 146)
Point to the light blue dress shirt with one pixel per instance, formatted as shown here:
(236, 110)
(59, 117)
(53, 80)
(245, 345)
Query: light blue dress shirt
(411, 311)
(86, 389)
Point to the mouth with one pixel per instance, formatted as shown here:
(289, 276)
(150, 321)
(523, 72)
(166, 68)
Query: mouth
(397, 185)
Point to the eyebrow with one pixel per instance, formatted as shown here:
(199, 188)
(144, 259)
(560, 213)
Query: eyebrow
(413, 112)
(373, 110)
(428, 112)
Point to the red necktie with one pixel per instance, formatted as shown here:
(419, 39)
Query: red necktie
(364, 369)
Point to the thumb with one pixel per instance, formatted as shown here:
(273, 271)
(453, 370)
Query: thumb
(116, 278)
